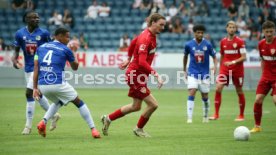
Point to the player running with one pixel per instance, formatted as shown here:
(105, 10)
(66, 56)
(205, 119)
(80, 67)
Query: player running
(143, 50)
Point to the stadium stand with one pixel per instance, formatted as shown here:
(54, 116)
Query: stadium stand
(104, 33)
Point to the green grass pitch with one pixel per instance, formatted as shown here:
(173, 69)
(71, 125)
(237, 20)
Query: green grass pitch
(168, 128)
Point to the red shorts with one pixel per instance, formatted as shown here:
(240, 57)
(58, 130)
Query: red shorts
(137, 86)
(264, 87)
(224, 79)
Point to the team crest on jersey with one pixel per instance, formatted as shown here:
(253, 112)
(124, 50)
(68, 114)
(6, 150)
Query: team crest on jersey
(235, 45)
(272, 51)
(205, 48)
(24, 37)
(193, 48)
(37, 38)
(142, 47)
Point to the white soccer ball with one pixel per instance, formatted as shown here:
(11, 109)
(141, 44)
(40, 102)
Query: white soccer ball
(242, 133)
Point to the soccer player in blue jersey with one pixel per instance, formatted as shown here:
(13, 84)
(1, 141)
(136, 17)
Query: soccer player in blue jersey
(29, 38)
(198, 75)
(49, 63)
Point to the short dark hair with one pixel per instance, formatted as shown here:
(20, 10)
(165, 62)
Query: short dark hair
(26, 14)
(61, 30)
(199, 27)
(268, 24)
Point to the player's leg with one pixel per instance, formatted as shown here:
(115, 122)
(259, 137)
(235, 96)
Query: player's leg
(86, 115)
(192, 88)
(30, 108)
(43, 102)
(222, 80)
(240, 93)
(205, 105)
(238, 83)
(204, 88)
(258, 108)
(132, 107)
(152, 105)
(52, 110)
(262, 89)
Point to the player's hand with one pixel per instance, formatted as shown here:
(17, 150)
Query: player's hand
(17, 65)
(124, 64)
(36, 94)
(213, 70)
(185, 74)
(228, 63)
(160, 82)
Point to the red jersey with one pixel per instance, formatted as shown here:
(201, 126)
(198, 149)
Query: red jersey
(268, 55)
(231, 50)
(143, 49)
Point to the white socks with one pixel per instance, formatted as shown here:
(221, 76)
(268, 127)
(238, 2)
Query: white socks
(30, 108)
(85, 113)
(51, 111)
(205, 105)
(190, 109)
(44, 103)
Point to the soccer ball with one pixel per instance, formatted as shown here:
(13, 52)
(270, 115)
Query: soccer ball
(241, 133)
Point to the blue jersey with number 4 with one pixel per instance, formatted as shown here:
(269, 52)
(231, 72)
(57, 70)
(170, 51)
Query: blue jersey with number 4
(199, 58)
(29, 42)
(52, 58)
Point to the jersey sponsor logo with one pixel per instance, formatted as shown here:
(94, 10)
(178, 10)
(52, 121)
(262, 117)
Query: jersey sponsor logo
(205, 48)
(199, 56)
(31, 48)
(24, 37)
(272, 51)
(235, 45)
(269, 58)
(193, 48)
(231, 51)
(142, 47)
(37, 38)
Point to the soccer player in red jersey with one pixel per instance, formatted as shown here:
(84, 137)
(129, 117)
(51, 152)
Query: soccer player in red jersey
(267, 50)
(142, 49)
(233, 53)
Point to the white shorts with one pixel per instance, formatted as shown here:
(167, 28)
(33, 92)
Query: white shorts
(29, 80)
(202, 85)
(59, 92)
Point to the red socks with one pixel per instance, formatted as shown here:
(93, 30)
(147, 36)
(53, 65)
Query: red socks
(217, 102)
(115, 115)
(258, 111)
(242, 104)
(142, 122)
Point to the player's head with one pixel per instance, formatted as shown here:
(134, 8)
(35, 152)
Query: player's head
(231, 28)
(268, 29)
(199, 31)
(62, 35)
(156, 23)
(31, 18)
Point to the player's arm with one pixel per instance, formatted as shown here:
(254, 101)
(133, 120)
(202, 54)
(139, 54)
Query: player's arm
(143, 54)
(36, 92)
(72, 58)
(74, 64)
(215, 61)
(185, 60)
(14, 58)
(130, 52)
